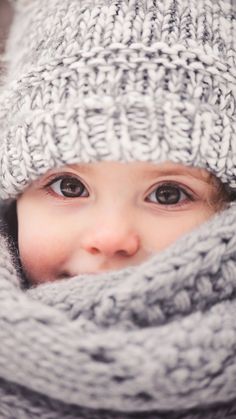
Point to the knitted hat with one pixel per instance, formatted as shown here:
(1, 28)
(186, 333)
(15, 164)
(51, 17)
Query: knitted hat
(123, 80)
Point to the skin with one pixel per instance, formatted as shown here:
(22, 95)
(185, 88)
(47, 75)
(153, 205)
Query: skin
(113, 218)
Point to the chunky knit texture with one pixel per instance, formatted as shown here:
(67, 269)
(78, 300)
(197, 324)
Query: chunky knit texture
(124, 80)
(154, 341)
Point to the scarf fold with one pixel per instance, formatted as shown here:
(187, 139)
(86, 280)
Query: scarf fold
(154, 339)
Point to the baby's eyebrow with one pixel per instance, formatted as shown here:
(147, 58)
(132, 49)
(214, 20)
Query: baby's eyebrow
(151, 172)
(195, 172)
(82, 168)
(199, 174)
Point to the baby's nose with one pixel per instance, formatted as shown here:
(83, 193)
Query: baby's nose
(111, 241)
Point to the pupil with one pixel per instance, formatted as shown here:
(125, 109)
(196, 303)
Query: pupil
(72, 187)
(168, 195)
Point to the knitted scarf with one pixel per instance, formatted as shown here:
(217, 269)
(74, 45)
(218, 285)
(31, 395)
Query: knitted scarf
(153, 341)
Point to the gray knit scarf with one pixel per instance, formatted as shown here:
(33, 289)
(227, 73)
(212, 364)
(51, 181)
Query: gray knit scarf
(153, 341)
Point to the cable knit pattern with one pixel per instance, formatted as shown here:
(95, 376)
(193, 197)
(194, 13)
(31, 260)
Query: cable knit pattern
(121, 80)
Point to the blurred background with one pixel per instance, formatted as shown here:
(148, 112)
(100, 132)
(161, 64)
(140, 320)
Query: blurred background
(6, 15)
(5, 22)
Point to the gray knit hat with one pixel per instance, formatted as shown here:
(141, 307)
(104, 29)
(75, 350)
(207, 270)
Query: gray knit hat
(124, 80)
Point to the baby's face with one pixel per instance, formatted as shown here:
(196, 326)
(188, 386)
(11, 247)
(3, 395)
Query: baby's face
(106, 216)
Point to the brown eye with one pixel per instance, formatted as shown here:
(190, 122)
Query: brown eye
(169, 194)
(69, 187)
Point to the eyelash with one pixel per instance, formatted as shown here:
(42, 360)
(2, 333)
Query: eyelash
(189, 196)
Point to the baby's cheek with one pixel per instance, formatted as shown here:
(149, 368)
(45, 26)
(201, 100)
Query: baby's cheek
(42, 255)
(166, 229)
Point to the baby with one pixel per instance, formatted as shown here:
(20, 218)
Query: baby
(90, 218)
(117, 157)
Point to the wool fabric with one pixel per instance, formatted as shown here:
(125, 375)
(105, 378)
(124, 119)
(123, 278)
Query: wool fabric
(118, 80)
(125, 81)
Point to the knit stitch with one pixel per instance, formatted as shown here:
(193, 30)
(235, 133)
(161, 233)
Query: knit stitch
(160, 337)
(126, 81)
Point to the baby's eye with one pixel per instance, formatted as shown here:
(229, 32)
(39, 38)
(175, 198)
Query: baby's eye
(169, 194)
(69, 187)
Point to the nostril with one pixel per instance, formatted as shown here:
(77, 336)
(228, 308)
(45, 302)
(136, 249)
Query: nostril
(94, 250)
(111, 244)
(122, 253)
